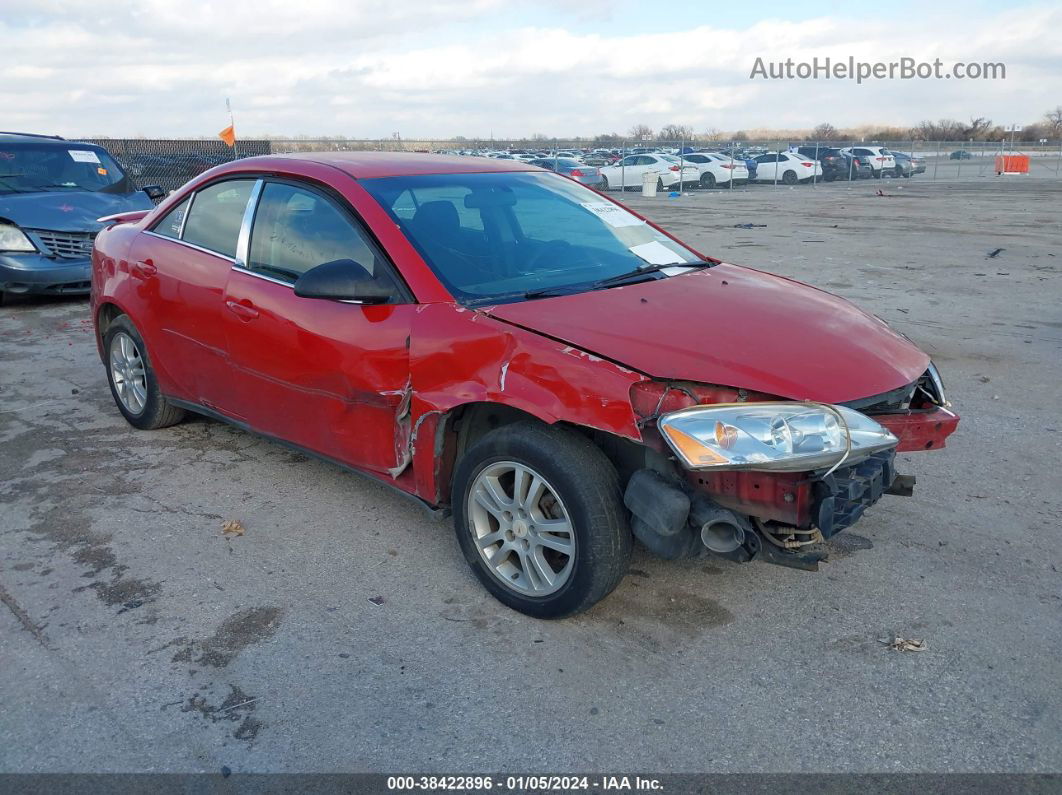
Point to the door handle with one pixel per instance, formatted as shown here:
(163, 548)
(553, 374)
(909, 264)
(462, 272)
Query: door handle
(244, 311)
(144, 269)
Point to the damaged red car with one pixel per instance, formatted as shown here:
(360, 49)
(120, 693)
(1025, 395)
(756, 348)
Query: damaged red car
(509, 346)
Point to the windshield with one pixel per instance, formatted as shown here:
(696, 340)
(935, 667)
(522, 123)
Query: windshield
(29, 168)
(492, 238)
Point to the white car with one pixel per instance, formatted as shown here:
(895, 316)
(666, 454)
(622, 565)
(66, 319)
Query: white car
(880, 158)
(788, 168)
(629, 171)
(715, 169)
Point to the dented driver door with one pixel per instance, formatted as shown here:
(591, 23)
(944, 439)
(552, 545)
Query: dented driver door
(329, 376)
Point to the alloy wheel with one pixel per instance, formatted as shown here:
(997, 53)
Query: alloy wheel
(128, 373)
(521, 528)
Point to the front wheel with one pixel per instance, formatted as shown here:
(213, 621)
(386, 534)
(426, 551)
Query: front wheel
(604, 183)
(538, 516)
(132, 380)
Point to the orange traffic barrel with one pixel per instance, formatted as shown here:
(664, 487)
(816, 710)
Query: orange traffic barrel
(1012, 164)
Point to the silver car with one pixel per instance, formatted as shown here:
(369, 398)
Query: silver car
(569, 167)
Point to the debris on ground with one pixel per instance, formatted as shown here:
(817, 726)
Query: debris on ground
(376, 600)
(995, 253)
(750, 226)
(232, 527)
(882, 193)
(903, 644)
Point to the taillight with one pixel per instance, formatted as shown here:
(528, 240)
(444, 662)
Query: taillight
(727, 165)
(674, 168)
(807, 165)
(578, 172)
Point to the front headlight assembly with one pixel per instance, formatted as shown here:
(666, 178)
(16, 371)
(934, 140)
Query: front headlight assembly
(14, 239)
(779, 436)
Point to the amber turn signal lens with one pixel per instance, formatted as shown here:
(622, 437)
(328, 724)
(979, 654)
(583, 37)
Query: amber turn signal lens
(694, 452)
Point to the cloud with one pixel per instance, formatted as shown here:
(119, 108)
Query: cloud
(366, 69)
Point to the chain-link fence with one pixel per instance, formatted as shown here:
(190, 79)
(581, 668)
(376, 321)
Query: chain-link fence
(677, 165)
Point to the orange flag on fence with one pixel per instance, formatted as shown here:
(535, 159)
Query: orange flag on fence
(228, 135)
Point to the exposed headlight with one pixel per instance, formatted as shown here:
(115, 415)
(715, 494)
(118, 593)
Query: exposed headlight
(772, 436)
(938, 383)
(14, 239)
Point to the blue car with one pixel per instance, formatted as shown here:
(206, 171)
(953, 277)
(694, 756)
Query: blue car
(52, 192)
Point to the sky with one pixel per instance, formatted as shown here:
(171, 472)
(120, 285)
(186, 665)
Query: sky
(504, 68)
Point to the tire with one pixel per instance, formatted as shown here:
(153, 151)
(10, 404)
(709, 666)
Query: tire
(604, 183)
(144, 407)
(899, 172)
(708, 180)
(829, 177)
(789, 178)
(577, 482)
(876, 172)
(908, 175)
(660, 185)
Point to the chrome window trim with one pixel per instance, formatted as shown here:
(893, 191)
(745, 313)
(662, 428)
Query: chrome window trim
(187, 212)
(236, 266)
(190, 245)
(243, 241)
(243, 269)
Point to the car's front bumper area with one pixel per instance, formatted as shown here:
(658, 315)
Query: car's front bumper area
(781, 517)
(36, 274)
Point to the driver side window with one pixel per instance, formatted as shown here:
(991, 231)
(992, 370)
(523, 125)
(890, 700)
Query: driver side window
(296, 229)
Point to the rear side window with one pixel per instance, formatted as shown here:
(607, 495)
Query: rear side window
(216, 214)
(296, 229)
(170, 225)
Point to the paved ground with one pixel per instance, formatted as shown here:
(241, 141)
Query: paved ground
(133, 636)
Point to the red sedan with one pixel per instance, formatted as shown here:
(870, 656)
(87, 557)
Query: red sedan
(505, 344)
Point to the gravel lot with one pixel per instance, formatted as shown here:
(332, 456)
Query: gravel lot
(134, 636)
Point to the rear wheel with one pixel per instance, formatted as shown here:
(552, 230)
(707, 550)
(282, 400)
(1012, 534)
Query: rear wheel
(659, 184)
(538, 516)
(789, 178)
(707, 180)
(132, 380)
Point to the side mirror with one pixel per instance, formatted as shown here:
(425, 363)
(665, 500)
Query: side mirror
(154, 192)
(343, 280)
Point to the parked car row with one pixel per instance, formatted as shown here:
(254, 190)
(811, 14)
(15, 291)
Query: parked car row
(674, 169)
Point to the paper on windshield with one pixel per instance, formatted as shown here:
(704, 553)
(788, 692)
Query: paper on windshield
(613, 214)
(84, 155)
(656, 253)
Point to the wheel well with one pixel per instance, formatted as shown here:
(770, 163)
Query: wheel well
(106, 315)
(465, 425)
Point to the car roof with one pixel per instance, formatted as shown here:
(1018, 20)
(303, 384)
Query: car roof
(367, 165)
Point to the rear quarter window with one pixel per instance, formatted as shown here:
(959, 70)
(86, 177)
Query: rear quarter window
(170, 225)
(216, 214)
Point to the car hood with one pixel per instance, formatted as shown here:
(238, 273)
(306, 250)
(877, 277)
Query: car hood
(732, 326)
(68, 211)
